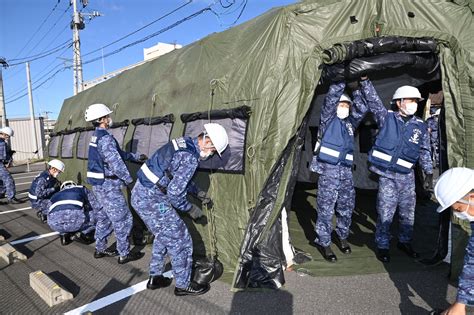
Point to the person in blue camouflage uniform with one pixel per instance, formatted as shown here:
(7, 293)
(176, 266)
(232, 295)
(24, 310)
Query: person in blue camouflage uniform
(162, 185)
(6, 157)
(455, 189)
(108, 175)
(396, 187)
(43, 187)
(71, 212)
(335, 185)
(433, 122)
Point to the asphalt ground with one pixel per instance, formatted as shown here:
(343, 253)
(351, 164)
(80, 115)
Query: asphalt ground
(89, 279)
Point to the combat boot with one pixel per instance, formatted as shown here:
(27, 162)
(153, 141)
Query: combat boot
(66, 238)
(383, 255)
(157, 282)
(14, 201)
(407, 249)
(86, 239)
(327, 253)
(343, 245)
(130, 257)
(105, 253)
(192, 289)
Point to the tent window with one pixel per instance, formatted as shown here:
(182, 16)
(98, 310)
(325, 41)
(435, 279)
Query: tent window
(151, 134)
(53, 147)
(82, 150)
(67, 145)
(235, 122)
(118, 131)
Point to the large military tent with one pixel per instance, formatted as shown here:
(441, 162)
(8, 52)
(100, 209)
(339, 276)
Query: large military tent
(260, 79)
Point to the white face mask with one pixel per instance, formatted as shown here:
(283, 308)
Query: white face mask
(342, 112)
(464, 215)
(410, 108)
(205, 155)
(110, 122)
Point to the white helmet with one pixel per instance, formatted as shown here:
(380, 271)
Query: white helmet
(57, 164)
(345, 98)
(7, 131)
(68, 184)
(96, 111)
(218, 136)
(452, 185)
(407, 91)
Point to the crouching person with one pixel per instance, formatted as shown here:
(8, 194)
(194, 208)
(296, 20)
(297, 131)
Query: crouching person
(43, 187)
(72, 213)
(162, 186)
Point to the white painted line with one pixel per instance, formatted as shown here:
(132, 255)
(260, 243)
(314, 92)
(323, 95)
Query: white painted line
(114, 297)
(15, 210)
(29, 239)
(30, 176)
(23, 183)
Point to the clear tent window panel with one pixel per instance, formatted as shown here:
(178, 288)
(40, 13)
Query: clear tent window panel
(235, 122)
(82, 149)
(118, 131)
(53, 146)
(67, 145)
(150, 134)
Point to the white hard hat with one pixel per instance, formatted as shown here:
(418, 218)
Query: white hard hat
(68, 184)
(57, 164)
(345, 98)
(96, 111)
(7, 131)
(407, 91)
(218, 136)
(452, 185)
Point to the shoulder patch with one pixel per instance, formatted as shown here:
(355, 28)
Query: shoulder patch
(179, 143)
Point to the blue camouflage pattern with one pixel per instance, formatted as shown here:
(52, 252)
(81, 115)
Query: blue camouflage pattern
(433, 132)
(466, 279)
(395, 189)
(8, 182)
(75, 220)
(43, 191)
(335, 184)
(114, 215)
(158, 212)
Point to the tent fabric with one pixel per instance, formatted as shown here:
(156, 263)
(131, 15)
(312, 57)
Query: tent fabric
(273, 64)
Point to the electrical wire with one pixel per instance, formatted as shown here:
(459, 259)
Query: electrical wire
(137, 30)
(39, 55)
(67, 45)
(38, 29)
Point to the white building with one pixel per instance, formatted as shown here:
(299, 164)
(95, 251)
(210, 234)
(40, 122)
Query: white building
(23, 142)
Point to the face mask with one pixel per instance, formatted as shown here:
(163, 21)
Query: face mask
(205, 155)
(410, 108)
(110, 122)
(342, 112)
(465, 214)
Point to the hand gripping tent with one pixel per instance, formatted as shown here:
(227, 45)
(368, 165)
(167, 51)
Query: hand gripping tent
(264, 81)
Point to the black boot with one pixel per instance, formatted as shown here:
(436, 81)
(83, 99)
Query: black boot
(343, 245)
(14, 201)
(42, 217)
(407, 249)
(130, 257)
(66, 238)
(383, 255)
(192, 289)
(326, 252)
(86, 239)
(157, 282)
(106, 253)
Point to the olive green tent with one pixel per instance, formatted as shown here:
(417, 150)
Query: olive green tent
(271, 66)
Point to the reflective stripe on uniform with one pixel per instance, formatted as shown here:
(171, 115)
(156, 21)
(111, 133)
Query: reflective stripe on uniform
(316, 147)
(381, 155)
(349, 157)
(32, 196)
(66, 202)
(175, 144)
(95, 175)
(149, 174)
(93, 144)
(329, 151)
(404, 163)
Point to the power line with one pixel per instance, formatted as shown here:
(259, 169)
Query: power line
(137, 30)
(189, 17)
(68, 44)
(39, 28)
(31, 58)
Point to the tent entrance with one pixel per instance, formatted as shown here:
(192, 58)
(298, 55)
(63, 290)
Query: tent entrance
(428, 237)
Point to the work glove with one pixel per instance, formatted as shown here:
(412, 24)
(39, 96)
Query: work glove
(142, 158)
(195, 213)
(205, 199)
(428, 183)
(353, 86)
(57, 186)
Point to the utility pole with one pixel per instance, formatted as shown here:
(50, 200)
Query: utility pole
(77, 24)
(32, 110)
(3, 111)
